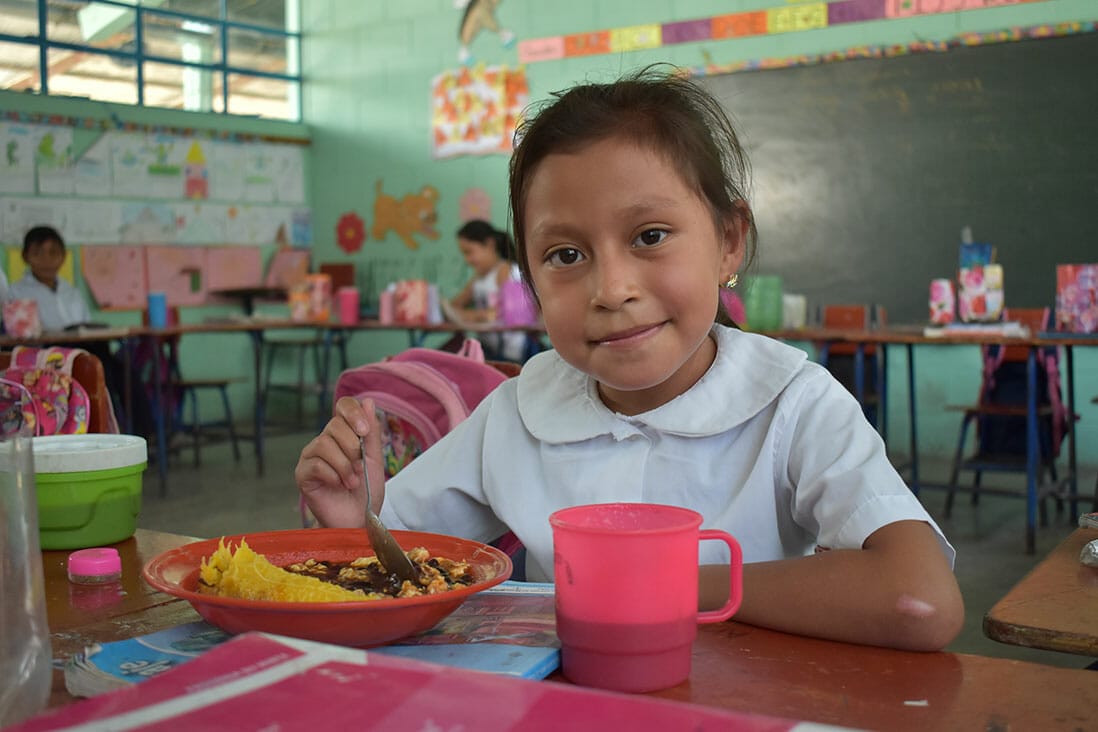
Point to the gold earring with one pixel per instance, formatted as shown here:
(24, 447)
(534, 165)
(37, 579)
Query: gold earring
(732, 280)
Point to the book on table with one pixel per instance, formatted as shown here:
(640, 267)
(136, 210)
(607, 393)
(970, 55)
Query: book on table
(256, 681)
(508, 629)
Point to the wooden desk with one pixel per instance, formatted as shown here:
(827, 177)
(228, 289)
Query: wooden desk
(1055, 606)
(735, 666)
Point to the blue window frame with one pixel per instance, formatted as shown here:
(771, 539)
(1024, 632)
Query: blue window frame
(228, 56)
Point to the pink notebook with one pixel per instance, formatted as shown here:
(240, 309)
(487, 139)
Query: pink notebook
(257, 681)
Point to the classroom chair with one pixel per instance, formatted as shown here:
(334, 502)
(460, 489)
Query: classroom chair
(179, 396)
(301, 350)
(88, 371)
(1000, 415)
(841, 358)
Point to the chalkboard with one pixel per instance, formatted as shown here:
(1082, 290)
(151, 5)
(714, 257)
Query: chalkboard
(866, 171)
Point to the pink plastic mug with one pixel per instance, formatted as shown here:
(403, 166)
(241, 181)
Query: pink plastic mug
(627, 592)
(348, 300)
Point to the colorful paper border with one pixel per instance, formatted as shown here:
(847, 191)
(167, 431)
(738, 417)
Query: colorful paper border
(965, 39)
(769, 21)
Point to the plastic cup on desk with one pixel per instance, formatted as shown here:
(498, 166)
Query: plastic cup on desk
(348, 301)
(627, 593)
(24, 635)
(158, 310)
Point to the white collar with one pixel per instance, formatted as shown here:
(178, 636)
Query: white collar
(560, 404)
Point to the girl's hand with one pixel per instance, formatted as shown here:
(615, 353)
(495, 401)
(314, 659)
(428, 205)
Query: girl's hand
(329, 471)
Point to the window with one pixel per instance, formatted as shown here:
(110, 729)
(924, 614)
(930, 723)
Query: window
(233, 56)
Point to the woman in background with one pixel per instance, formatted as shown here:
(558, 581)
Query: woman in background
(488, 251)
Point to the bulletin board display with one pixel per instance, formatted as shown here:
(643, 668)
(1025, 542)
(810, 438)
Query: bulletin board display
(121, 277)
(141, 187)
(865, 172)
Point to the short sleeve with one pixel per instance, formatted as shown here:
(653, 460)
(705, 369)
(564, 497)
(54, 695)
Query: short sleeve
(844, 487)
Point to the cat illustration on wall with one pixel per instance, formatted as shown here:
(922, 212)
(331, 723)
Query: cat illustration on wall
(414, 214)
(480, 15)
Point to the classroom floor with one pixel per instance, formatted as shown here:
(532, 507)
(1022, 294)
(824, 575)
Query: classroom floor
(222, 497)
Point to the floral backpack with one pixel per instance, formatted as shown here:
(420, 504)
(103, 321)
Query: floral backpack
(39, 394)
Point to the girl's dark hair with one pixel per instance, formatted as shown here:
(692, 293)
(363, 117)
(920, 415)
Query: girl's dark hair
(40, 234)
(656, 107)
(481, 231)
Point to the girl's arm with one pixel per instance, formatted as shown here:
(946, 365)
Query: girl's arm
(464, 298)
(898, 591)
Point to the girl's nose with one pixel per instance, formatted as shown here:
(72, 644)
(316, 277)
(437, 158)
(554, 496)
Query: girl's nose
(613, 283)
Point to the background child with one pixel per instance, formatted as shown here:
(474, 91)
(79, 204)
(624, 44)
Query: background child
(60, 305)
(488, 251)
(629, 205)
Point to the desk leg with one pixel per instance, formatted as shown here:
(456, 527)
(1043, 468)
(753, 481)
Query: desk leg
(912, 422)
(1073, 482)
(158, 410)
(882, 392)
(127, 386)
(260, 407)
(1032, 465)
(323, 398)
(859, 376)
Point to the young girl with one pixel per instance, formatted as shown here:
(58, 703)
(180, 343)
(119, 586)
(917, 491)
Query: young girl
(488, 252)
(629, 211)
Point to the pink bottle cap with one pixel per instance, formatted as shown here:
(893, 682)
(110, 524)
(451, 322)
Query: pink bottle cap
(98, 562)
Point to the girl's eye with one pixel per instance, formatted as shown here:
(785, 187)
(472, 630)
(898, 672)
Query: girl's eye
(650, 237)
(564, 257)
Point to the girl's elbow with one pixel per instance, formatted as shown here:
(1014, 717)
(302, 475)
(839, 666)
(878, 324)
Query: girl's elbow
(929, 623)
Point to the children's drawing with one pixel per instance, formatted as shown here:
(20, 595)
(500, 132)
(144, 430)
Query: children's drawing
(350, 232)
(115, 275)
(480, 15)
(233, 266)
(287, 268)
(196, 177)
(474, 111)
(177, 272)
(414, 214)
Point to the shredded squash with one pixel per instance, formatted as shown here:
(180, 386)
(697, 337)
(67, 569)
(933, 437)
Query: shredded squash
(245, 574)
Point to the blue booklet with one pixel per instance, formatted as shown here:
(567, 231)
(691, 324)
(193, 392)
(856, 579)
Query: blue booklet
(509, 629)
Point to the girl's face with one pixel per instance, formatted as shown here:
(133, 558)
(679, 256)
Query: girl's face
(481, 256)
(45, 260)
(626, 260)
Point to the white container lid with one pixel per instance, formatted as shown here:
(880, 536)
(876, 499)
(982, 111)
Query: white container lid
(79, 453)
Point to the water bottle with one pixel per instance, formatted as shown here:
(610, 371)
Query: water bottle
(24, 636)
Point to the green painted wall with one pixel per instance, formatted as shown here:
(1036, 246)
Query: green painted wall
(369, 66)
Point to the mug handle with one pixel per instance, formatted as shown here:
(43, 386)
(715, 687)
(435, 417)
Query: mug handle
(735, 578)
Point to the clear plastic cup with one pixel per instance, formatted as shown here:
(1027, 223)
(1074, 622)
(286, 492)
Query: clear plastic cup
(627, 592)
(25, 673)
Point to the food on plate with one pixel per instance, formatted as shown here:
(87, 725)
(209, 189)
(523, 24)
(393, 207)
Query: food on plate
(245, 574)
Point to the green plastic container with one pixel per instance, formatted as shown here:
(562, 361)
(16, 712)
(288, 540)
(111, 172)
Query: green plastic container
(89, 488)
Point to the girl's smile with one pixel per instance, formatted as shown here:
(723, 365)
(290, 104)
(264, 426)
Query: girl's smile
(629, 337)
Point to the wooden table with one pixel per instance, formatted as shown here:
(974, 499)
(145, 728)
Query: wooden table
(735, 666)
(1055, 606)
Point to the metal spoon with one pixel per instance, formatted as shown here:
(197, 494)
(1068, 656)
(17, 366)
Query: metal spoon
(388, 552)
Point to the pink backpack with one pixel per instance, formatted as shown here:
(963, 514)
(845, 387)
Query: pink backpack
(419, 395)
(38, 392)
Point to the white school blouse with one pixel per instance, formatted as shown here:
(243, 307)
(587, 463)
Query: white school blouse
(57, 309)
(767, 446)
